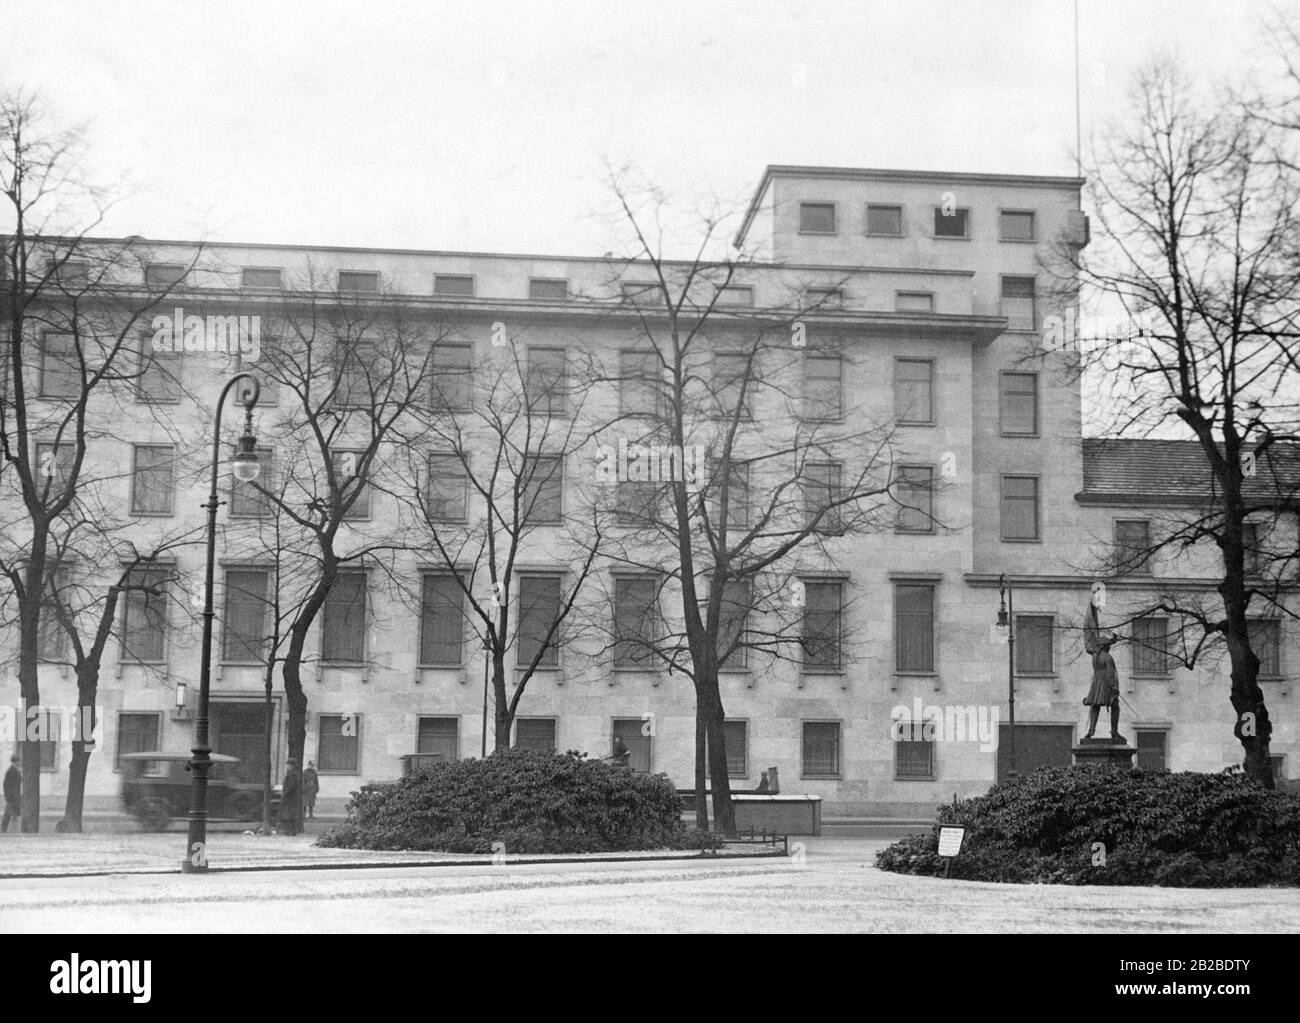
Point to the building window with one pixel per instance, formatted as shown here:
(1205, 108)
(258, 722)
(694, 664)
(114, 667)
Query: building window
(915, 492)
(885, 220)
(736, 295)
(914, 391)
(638, 383)
(737, 494)
(1133, 546)
(539, 611)
(54, 463)
(541, 499)
(823, 377)
(1034, 644)
(549, 288)
(158, 276)
(730, 370)
(821, 749)
(358, 280)
(547, 383)
(439, 735)
(823, 622)
(361, 374)
(51, 638)
(822, 493)
(448, 494)
(733, 626)
(458, 285)
(1016, 225)
(49, 725)
(244, 638)
(914, 756)
(348, 478)
(636, 503)
(442, 620)
(158, 377)
(1252, 561)
(1019, 507)
(247, 501)
(1151, 646)
(1018, 404)
(261, 277)
(1018, 303)
(951, 225)
(635, 617)
(735, 737)
(1265, 639)
(1151, 744)
(343, 620)
(60, 368)
(816, 218)
(144, 616)
(817, 299)
(633, 733)
(70, 273)
(152, 486)
(535, 733)
(136, 733)
(338, 745)
(453, 378)
(914, 627)
(914, 301)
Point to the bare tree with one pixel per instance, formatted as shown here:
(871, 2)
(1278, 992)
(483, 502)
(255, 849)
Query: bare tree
(770, 476)
(505, 436)
(1197, 247)
(70, 308)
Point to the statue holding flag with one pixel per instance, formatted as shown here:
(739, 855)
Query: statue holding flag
(1105, 679)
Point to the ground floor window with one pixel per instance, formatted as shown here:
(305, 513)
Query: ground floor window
(1151, 749)
(338, 750)
(439, 735)
(913, 758)
(535, 733)
(635, 735)
(736, 739)
(821, 749)
(1036, 746)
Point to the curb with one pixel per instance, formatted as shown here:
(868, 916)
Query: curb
(696, 858)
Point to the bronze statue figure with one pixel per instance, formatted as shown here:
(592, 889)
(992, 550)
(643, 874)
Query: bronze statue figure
(1105, 679)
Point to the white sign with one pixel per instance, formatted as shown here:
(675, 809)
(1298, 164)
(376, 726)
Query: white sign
(950, 840)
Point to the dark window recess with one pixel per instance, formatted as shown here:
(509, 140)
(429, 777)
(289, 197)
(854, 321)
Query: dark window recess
(1036, 746)
(951, 225)
(535, 733)
(338, 751)
(817, 217)
(453, 284)
(439, 735)
(633, 733)
(358, 280)
(821, 749)
(1151, 749)
(548, 288)
(885, 220)
(257, 277)
(736, 739)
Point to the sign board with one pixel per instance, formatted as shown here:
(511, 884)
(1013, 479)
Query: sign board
(950, 839)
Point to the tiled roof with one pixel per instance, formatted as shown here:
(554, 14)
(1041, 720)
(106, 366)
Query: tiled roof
(1178, 471)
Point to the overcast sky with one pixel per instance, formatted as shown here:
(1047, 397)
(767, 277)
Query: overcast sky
(485, 126)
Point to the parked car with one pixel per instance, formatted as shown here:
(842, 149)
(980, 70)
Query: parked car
(156, 788)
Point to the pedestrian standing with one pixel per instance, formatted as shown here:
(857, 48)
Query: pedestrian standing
(310, 786)
(13, 794)
(291, 799)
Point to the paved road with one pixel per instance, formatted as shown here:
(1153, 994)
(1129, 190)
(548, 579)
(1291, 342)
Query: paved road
(830, 885)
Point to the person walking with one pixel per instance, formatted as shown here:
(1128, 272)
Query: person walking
(291, 799)
(310, 786)
(13, 794)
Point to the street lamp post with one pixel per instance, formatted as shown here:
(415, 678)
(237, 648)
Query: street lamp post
(245, 468)
(1007, 628)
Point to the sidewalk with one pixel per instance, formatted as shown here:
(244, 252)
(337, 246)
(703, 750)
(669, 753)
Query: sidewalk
(53, 855)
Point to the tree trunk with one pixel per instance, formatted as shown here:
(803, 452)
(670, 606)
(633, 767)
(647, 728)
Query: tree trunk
(295, 700)
(1253, 727)
(724, 814)
(28, 679)
(501, 713)
(87, 688)
(701, 770)
(268, 781)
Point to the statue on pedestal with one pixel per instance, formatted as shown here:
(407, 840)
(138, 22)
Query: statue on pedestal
(1105, 678)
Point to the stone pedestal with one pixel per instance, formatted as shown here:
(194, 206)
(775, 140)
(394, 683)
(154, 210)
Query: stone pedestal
(1104, 752)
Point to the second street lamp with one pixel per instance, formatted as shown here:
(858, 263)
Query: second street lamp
(245, 467)
(1007, 631)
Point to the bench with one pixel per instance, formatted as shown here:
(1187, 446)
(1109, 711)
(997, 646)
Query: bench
(792, 814)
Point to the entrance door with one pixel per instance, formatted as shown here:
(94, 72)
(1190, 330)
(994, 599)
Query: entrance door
(1036, 746)
(239, 729)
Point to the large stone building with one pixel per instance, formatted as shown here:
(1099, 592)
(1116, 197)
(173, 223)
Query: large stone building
(929, 287)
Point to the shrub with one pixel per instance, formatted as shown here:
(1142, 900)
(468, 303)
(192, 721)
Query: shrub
(1179, 830)
(531, 801)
